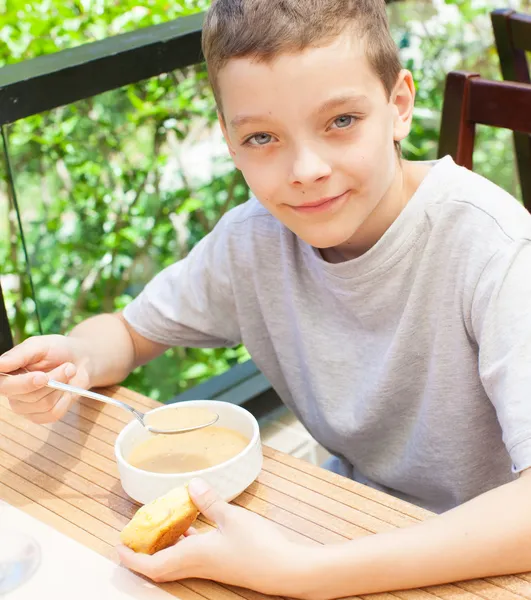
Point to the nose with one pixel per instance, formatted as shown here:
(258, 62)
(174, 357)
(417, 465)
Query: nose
(308, 166)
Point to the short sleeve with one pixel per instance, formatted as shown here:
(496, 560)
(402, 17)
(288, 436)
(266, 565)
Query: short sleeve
(191, 302)
(501, 321)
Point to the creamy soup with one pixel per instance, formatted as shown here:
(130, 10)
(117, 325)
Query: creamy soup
(187, 452)
(179, 417)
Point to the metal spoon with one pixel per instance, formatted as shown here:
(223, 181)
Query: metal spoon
(65, 387)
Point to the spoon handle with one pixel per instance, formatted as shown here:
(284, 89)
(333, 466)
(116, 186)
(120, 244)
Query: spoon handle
(65, 387)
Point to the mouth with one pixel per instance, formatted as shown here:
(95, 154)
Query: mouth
(321, 205)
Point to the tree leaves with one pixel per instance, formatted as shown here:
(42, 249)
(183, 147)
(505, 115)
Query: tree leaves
(106, 198)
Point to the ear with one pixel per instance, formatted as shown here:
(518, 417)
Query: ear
(223, 126)
(403, 101)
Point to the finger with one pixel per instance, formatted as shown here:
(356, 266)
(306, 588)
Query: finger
(60, 409)
(18, 385)
(191, 531)
(207, 501)
(51, 407)
(34, 397)
(44, 405)
(136, 561)
(30, 351)
(159, 567)
(63, 373)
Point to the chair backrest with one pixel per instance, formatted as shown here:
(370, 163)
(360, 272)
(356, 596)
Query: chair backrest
(470, 100)
(512, 34)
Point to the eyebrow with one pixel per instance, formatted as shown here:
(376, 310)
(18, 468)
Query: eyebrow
(340, 101)
(331, 104)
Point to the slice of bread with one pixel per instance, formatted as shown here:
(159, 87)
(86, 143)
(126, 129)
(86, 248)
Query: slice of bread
(160, 523)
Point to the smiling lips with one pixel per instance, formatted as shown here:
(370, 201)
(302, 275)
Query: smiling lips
(319, 206)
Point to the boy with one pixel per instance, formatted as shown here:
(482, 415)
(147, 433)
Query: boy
(386, 301)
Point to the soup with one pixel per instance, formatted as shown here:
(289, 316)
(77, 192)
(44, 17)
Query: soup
(179, 417)
(185, 452)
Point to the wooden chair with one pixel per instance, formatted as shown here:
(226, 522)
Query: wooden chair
(512, 34)
(470, 100)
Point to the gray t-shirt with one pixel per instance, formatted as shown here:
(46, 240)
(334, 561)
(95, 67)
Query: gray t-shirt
(410, 363)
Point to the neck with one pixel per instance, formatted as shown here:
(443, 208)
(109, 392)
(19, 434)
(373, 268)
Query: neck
(407, 178)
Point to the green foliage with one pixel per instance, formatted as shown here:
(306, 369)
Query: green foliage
(108, 189)
(106, 196)
(441, 36)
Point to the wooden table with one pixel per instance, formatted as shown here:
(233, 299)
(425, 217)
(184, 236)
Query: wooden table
(65, 475)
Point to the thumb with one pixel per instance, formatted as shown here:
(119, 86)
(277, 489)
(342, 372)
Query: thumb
(207, 501)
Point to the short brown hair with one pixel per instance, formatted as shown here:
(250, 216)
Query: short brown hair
(265, 29)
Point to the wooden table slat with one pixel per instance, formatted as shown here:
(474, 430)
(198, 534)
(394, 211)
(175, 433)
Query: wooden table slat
(180, 590)
(80, 437)
(487, 590)
(56, 504)
(215, 591)
(85, 486)
(405, 508)
(250, 594)
(450, 592)
(336, 502)
(66, 453)
(311, 531)
(513, 583)
(61, 429)
(414, 595)
(333, 522)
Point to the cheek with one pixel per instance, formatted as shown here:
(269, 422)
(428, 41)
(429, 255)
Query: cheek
(373, 155)
(261, 177)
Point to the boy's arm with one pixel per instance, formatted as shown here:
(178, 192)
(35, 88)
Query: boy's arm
(489, 535)
(111, 348)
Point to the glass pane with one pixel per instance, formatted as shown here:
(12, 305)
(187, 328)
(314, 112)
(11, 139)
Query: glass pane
(111, 190)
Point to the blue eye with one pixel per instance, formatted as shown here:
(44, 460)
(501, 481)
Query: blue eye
(260, 139)
(344, 121)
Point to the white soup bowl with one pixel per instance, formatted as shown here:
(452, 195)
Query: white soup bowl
(229, 478)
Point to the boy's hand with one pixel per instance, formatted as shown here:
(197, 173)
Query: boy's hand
(46, 357)
(245, 550)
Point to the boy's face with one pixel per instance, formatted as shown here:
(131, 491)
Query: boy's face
(313, 134)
